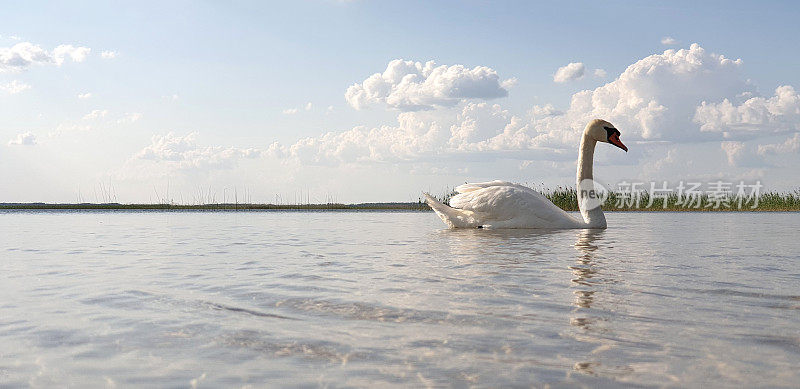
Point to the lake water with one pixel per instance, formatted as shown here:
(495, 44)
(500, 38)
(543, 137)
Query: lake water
(231, 299)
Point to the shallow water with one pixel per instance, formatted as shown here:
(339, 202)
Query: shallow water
(182, 299)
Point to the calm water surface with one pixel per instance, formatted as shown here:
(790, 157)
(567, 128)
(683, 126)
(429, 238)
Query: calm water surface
(185, 299)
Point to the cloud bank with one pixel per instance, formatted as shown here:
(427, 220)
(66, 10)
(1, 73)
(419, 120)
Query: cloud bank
(678, 96)
(688, 111)
(183, 153)
(790, 145)
(780, 112)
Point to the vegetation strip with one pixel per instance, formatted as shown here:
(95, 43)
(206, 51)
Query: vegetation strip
(564, 198)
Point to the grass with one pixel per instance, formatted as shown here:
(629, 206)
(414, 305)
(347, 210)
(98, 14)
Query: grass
(567, 199)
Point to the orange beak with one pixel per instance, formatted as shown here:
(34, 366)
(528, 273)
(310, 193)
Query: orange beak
(614, 140)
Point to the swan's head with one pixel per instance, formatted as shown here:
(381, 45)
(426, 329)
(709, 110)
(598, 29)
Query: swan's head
(603, 131)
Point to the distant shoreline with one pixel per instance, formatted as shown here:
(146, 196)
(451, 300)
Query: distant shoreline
(217, 207)
(392, 206)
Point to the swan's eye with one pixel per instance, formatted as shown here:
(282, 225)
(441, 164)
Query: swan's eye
(611, 131)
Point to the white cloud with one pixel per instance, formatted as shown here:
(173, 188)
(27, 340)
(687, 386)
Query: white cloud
(70, 126)
(109, 54)
(130, 117)
(329, 110)
(24, 139)
(656, 164)
(84, 96)
(780, 112)
(600, 73)
(95, 114)
(97, 119)
(791, 145)
(544, 111)
(509, 83)
(569, 72)
(182, 152)
(668, 41)
(76, 54)
(414, 136)
(745, 154)
(477, 122)
(412, 86)
(14, 87)
(475, 128)
(23, 55)
(292, 111)
(734, 151)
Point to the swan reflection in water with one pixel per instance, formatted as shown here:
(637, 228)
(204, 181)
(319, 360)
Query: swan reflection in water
(518, 246)
(588, 281)
(512, 245)
(585, 268)
(537, 260)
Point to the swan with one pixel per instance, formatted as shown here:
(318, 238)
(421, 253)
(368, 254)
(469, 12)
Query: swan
(500, 204)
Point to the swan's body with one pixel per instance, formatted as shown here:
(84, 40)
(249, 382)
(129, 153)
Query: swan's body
(500, 204)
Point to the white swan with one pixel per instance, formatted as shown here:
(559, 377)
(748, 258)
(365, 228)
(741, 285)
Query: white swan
(500, 204)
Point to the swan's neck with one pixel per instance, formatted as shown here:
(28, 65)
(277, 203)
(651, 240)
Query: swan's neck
(593, 218)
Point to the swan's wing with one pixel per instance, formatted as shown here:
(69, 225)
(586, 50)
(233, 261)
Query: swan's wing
(501, 199)
(500, 203)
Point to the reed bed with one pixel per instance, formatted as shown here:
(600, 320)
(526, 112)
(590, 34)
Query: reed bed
(567, 199)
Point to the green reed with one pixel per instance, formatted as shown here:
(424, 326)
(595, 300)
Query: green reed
(567, 199)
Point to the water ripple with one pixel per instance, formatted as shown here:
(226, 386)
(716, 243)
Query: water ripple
(306, 299)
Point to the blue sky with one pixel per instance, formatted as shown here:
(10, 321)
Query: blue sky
(225, 79)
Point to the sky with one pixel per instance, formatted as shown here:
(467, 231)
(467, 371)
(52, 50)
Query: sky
(372, 101)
